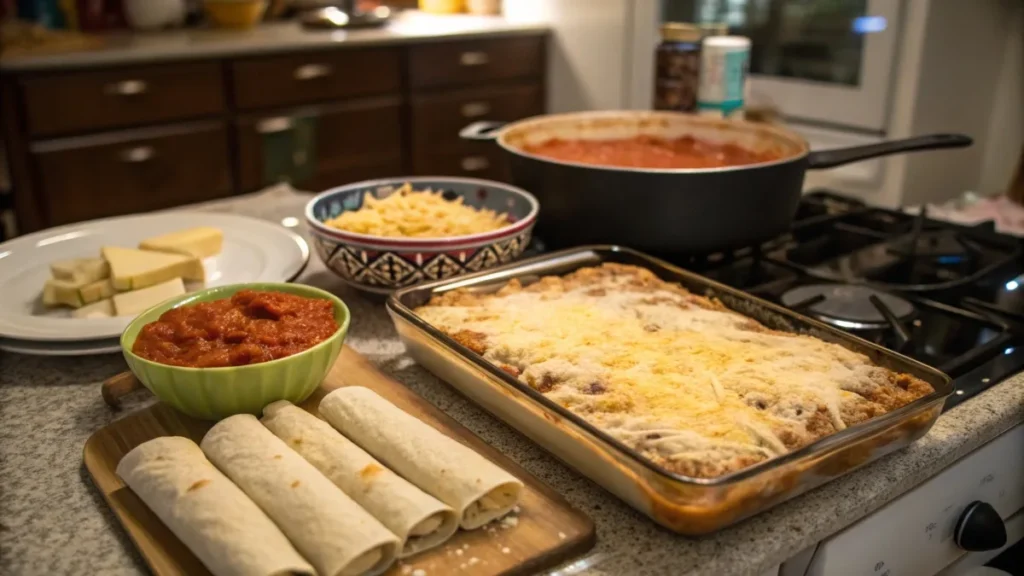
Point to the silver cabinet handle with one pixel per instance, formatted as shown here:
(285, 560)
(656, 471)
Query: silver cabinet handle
(475, 163)
(137, 155)
(274, 125)
(475, 109)
(312, 71)
(127, 88)
(475, 58)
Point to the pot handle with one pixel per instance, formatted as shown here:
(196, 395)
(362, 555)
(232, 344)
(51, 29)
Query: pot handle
(482, 130)
(840, 156)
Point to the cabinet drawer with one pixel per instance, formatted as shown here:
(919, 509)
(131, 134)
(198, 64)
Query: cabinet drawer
(437, 118)
(478, 160)
(76, 102)
(132, 171)
(352, 140)
(315, 77)
(452, 63)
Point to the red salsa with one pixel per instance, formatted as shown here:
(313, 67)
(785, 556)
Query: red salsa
(650, 152)
(248, 328)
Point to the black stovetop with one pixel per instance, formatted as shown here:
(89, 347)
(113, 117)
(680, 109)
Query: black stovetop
(947, 295)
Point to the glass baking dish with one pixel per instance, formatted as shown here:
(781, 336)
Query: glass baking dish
(691, 506)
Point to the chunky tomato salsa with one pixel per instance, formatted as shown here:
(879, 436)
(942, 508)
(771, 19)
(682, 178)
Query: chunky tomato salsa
(650, 152)
(248, 328)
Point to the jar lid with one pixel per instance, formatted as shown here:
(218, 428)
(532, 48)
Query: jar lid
(714, 28)
(680, 32)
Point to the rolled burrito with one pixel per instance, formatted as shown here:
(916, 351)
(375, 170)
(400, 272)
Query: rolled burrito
(337, 536)
(226, 530)
(418, 519)
(476, 488)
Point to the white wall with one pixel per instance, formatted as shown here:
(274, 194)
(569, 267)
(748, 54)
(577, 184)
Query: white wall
(960, 70)
(589, 53)
(1003, 147)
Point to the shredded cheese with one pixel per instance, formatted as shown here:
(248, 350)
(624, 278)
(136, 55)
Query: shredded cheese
(673, 375)
(417, 214)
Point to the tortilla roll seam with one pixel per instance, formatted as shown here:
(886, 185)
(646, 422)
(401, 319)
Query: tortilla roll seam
(478, 489)
(330, 529)
(212, 516)
(394, 501)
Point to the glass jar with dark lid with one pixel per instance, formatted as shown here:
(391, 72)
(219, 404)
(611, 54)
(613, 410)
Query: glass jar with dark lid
(677, 67)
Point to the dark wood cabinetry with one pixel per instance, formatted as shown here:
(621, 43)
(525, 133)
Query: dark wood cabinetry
(85, 144)
(79, 101)
(315, 77)
(137, 170)
(351, 141)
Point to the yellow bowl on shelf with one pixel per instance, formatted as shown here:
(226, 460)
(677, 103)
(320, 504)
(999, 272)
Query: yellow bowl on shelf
(239, 14)
(442, 6)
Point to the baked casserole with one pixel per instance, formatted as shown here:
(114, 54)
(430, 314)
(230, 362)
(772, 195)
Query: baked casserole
(695, 387)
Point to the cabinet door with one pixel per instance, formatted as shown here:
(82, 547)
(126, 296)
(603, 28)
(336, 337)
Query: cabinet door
(440, 64)
(315, 77)
(65, 103)
(132, 171)
(320, 147)
(437, 119)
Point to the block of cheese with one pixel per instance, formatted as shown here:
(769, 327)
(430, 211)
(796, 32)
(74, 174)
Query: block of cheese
(198, 242)
(80, 270)
(96, 291)
(62, 292)
(102, 309)
(131, 269)
(136, 301)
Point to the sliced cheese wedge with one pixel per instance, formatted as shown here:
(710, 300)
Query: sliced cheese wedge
(131, 269)
(102, 309)
(96, 291)
(136, 301)
(198, 242)
(80, 270)
(62, 292)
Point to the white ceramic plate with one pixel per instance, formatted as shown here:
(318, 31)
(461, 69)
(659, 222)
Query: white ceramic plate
(254, 251)
(84, 348)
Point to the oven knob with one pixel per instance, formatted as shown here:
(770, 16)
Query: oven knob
(980, 528)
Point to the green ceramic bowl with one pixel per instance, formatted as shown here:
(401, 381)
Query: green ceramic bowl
(215, 393)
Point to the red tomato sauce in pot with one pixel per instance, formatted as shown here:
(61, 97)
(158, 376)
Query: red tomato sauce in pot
(248, 328)
(650, 152)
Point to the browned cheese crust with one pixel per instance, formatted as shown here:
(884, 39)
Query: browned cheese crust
(695, 387)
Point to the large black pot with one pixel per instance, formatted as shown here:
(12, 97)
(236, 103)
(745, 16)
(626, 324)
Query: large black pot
(682, 210)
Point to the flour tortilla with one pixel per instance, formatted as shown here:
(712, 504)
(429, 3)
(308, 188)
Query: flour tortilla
(476, 488)
(419, 520)
(337, 536)
(226, 530)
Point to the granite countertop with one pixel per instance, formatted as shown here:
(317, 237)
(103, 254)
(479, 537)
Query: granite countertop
(53, 521)
(273, 37)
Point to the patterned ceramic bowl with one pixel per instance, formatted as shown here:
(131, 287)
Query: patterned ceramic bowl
(382, 264)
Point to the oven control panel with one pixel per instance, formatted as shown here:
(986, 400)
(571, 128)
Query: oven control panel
(961, 509)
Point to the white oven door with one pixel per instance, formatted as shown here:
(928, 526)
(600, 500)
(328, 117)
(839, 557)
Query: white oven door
(828, 62)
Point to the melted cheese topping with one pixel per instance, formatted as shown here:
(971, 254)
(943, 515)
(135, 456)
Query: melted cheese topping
(681, 379)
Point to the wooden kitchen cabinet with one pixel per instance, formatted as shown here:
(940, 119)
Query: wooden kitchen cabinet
(133, 171)
(75, 102)
(315, 77)
(352, 141)
(97, 142)
(437, 118)
(445, 64)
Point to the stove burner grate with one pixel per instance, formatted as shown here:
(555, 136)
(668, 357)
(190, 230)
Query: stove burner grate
(850, 306)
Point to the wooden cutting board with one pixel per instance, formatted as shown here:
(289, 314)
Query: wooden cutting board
(548, 532)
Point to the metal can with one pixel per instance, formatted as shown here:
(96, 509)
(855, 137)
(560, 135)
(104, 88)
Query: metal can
(677, 67)
(723, 74)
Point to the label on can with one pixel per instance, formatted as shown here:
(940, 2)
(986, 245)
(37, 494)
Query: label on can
(723, 75)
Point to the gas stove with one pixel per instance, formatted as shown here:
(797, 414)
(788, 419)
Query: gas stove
(947, 295)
